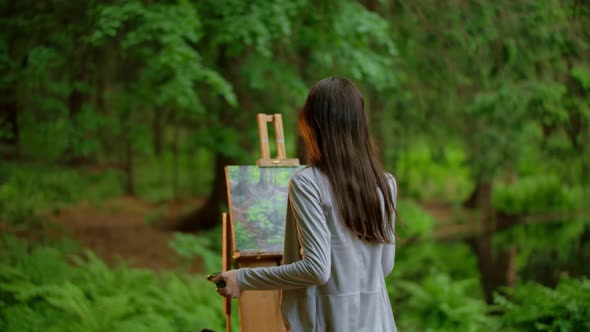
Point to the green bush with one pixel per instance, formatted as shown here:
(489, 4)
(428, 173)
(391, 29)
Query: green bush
(49, 289)
(533, 307)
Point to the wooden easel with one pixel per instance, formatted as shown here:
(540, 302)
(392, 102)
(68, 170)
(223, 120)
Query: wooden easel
(259, 310)
(281, 158)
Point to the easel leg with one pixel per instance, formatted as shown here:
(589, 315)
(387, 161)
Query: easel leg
(226, 265)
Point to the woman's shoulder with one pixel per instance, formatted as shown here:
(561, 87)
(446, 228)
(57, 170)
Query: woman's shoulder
(392, 182)
(309, 177)
(313, 174)
(307, 173)
(390, 176)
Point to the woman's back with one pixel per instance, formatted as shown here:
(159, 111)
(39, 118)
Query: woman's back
(339, 232)
(354, 297)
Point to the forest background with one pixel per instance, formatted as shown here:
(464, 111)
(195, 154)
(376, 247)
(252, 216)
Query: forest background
(117, 118)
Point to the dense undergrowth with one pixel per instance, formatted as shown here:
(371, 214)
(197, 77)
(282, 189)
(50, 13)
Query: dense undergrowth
(64, 288)
(52, 285)
(60, 288)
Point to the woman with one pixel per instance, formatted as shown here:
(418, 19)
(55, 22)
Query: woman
(339, 232)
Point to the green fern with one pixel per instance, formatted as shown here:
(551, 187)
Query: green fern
(87, 295)
(533, 307)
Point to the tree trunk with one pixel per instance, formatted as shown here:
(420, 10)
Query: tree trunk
(76, 100)
(129, 184)
(371, 5)
(496, 270)
(210, 214)
(157, 127)
(175, 152)
(9, 121)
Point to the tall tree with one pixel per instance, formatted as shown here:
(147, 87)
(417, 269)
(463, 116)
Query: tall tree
(259, 43)
(500, 80)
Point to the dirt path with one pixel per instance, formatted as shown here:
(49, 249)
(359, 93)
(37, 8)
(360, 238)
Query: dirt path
(120, 229)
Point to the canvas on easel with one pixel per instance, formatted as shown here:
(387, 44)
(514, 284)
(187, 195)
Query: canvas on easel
(258, 207)
(253, 232)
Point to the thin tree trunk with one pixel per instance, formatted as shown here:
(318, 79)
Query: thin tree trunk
(496, 269)
(157, 128)
(76, 100)
(175, 152)
(9, 120)
(129, 184)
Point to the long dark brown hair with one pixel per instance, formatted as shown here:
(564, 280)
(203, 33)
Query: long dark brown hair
(334, 126)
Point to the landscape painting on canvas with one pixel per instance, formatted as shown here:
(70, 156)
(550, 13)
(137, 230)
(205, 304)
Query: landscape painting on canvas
(258, 206)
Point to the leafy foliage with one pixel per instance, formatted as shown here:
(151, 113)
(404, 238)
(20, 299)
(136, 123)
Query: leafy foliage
(203, 246)
(534, 194)
(413, 221)
(60, 291)
(439, 303)
(426, 173)
(498, 77)
(27, 192)
(532, 307)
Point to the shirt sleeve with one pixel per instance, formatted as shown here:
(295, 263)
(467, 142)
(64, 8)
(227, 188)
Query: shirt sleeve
(388, 255)
(388, 258)
(314, 236)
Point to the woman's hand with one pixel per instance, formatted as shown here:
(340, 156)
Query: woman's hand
(231, 288)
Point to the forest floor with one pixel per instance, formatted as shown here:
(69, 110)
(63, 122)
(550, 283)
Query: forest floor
(122, 229)
(127, 229)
